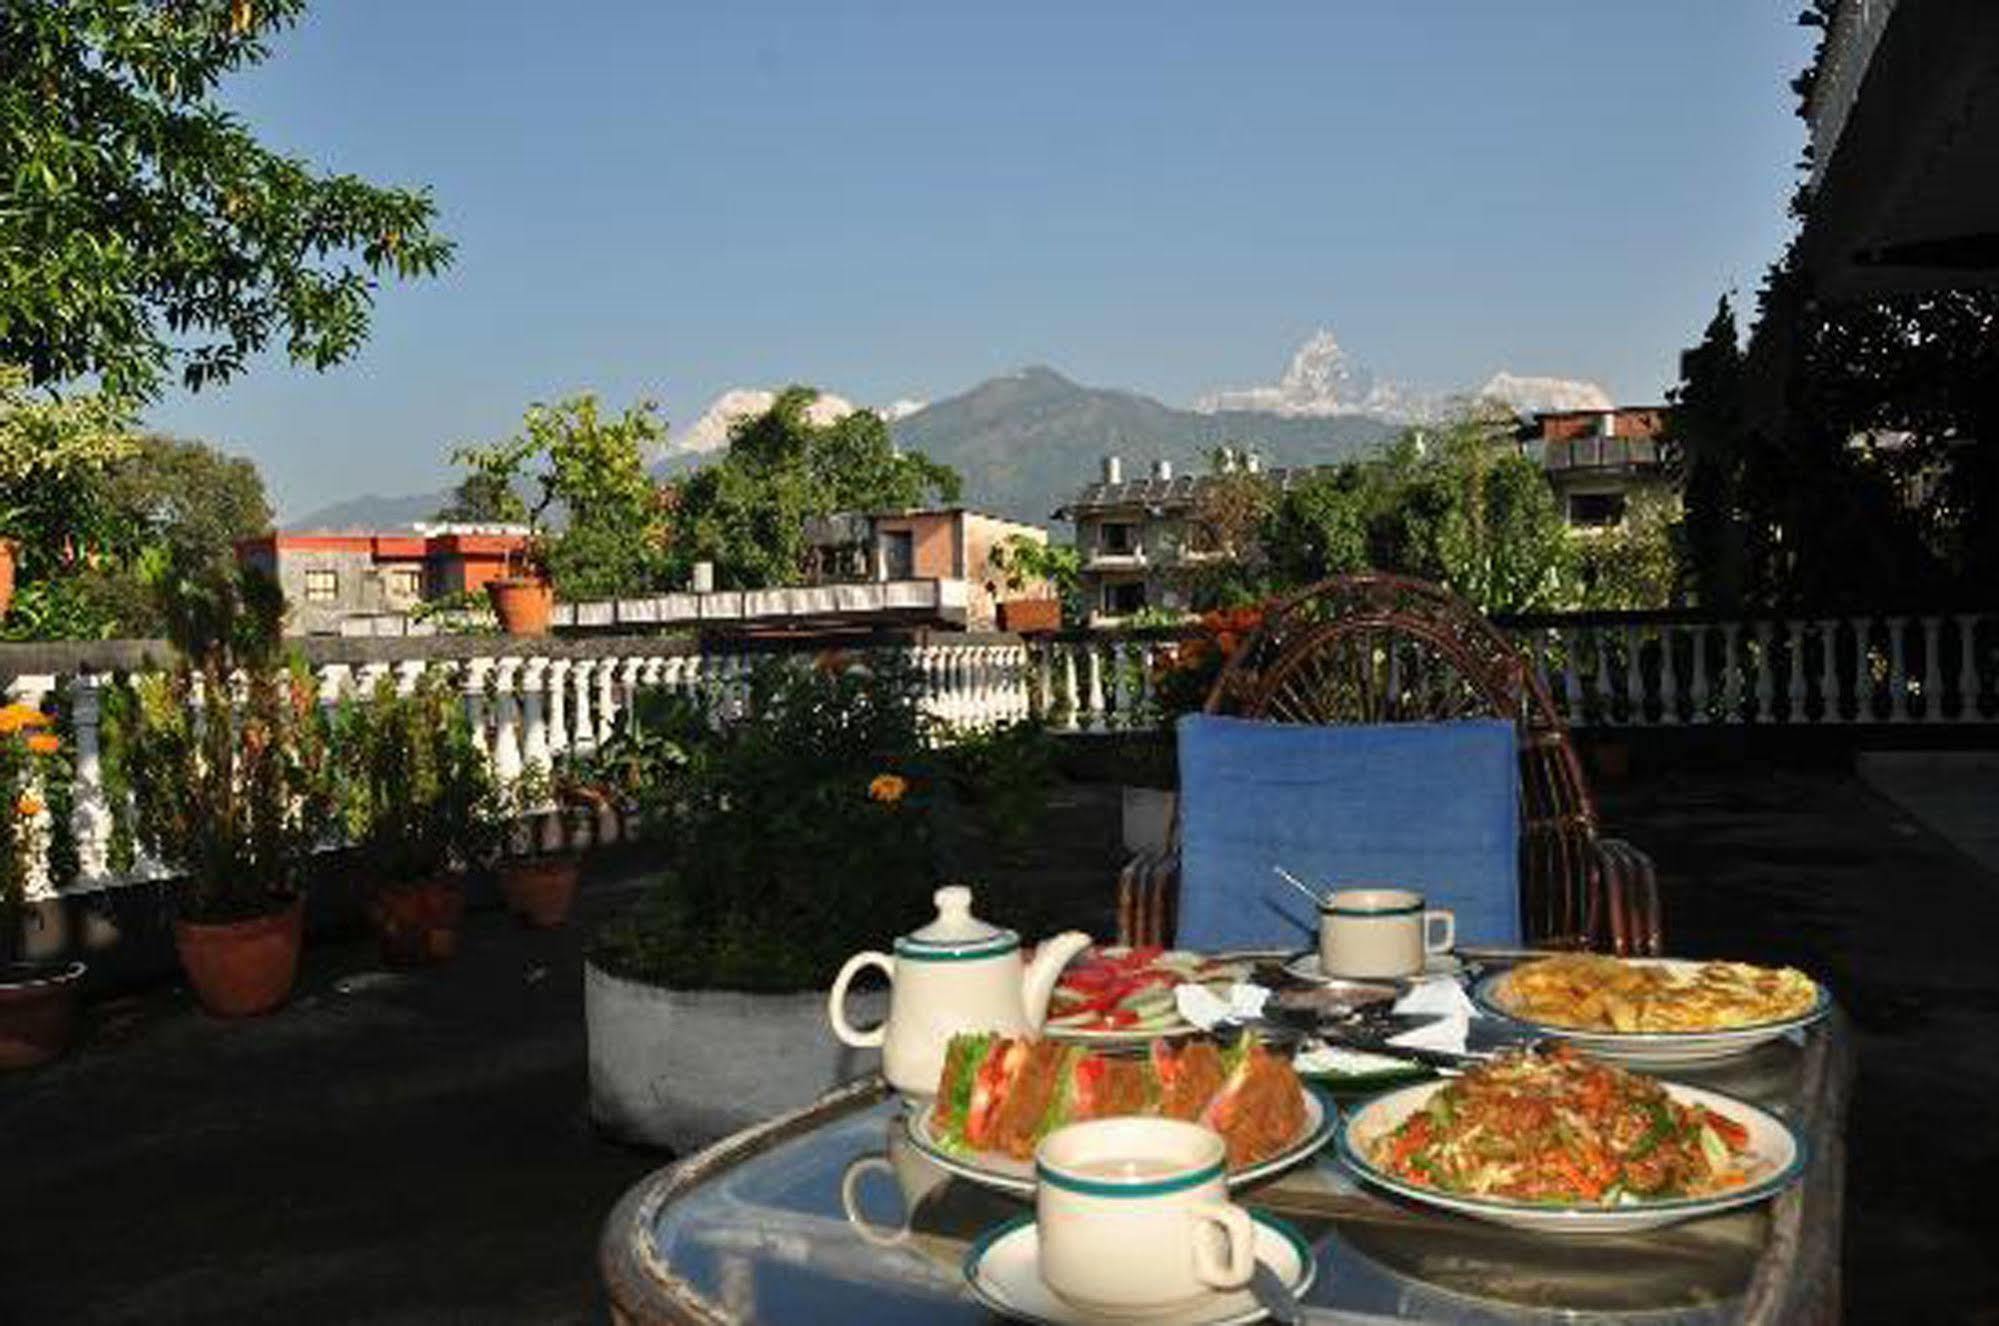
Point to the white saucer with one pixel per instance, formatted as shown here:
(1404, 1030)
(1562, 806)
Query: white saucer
(1004, 1270)
(1306, 967)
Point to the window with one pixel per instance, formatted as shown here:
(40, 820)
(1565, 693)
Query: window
(1596, 510)
(404, 582)
(1124, 598)
(898, 555)
(322, 586)
(1114, 539)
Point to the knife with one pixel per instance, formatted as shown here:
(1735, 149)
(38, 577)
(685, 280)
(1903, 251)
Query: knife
(1274, 1296)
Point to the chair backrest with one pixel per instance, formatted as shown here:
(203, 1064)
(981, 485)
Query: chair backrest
(1425, 806)
(1375, 648)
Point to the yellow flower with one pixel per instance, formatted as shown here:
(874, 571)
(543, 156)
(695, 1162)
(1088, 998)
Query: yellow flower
(18, 715)
(44, 743)
(28, 806)
(888, 788)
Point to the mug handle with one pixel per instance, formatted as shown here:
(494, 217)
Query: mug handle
(850, 1183)
(836, 1001)
(1231, 1271)
(1450, 938)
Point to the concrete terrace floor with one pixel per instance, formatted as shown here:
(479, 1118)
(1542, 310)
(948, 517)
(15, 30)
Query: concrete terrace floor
(413, 1148)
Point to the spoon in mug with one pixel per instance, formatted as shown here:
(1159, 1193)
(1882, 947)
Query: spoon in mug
(1317, 899)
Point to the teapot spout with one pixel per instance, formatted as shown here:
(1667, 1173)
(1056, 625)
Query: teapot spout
(1039, 982)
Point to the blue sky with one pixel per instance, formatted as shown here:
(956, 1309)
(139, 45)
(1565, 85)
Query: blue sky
(897, 200)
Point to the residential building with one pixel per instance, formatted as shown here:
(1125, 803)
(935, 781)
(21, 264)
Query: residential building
(330, 578)
(1140, 539)
(935, 544)
(1598, 460)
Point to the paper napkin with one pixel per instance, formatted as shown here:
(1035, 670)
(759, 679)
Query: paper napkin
(1441, 995)
(1208, 1010)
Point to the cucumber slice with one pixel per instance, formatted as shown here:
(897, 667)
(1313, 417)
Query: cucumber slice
(1082, 1019)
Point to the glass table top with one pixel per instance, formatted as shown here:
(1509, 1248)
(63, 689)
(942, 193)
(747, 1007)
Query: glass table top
(845, 1220)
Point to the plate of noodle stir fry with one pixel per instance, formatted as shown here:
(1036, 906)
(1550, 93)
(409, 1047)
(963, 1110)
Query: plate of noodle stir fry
(1655, 1010)
(1558, 1142)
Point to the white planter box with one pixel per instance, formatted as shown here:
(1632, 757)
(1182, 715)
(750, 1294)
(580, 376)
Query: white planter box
(681, 1068)
(1148, 818)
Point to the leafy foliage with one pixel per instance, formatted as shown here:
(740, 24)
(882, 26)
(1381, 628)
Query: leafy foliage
(1636, 566)
(145, 224)
(594, 468)
(747, 512)
(415, 795)
(31, 756)
(1026, 563)
(1005, 773)
(55, 452)
(796, 833)
(230, 797)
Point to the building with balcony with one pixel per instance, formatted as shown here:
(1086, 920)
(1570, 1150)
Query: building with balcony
(1142, 541)
(329, 579)
(940, 544)
(1598, 460)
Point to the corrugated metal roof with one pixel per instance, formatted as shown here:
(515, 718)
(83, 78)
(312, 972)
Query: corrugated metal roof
(1179, 491)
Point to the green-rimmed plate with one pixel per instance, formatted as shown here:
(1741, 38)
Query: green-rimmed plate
(1003, 1172)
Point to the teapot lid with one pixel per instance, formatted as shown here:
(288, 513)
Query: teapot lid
(956, 934)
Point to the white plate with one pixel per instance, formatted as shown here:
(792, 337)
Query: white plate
(1771, 1140)
(1306, 968)
(1004, 1271)
(1123, 1038)
(1655, 1048)
(1003, 1172)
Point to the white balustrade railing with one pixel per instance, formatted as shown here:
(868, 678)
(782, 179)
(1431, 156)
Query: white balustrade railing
(533, 704)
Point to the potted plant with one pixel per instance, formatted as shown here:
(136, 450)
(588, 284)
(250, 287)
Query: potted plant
(539, 883)
(419, 807)
(224, 761)
(37, 999)
(523, 597)
(794, 835)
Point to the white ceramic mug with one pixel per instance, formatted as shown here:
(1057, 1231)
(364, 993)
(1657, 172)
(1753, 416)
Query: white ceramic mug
(1381, 932)
(1133, 1216)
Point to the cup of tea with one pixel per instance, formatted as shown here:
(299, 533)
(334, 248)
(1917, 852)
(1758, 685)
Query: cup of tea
(1377, 933)
(1133, 1216)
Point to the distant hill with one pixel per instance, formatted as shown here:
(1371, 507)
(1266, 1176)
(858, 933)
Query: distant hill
(1027, 441)
(1024, 442)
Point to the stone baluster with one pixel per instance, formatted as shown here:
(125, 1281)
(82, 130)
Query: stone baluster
(1830, 708)
(608, 677)
(1071, 705)
(1794, 682)
(1669, 677)
(506, 720)
(367, 678)
(1571, 693)
(1967, 669)
(1898, 670)
(1697, 692)
(1732, 668)
(331, 681)
(472, 685)
(582, 728)
(556, 678)
(90, 812)
(1932, 671)
(1093, 704)
(535, 752)
(1863, 672)
(1044, 679)
(1634, 677)
(409, 673)
(1114, 689)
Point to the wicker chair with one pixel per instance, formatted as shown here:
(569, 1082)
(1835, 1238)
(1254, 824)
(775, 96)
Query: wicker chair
(1381, 649)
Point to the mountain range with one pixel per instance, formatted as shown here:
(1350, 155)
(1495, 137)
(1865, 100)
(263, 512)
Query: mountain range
(1023, 442)
(1026, 441)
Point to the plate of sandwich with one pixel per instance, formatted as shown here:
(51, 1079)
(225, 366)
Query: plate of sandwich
(1000, 1095)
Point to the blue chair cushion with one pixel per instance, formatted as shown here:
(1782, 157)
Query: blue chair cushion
(1428, 806)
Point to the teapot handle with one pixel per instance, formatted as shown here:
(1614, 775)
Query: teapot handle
(836, 1001)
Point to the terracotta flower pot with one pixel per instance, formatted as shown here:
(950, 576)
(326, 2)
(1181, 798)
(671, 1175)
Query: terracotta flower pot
(418, 923)
(539, 889)
(522, 604)
(37, 1012)
(1030, 616)
(7, 548)
(242, 968)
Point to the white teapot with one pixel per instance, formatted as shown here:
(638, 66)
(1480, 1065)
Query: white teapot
(957, 974)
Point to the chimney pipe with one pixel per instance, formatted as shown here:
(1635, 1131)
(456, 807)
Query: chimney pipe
(704, 577)
(1162, 470)
(1113, 470)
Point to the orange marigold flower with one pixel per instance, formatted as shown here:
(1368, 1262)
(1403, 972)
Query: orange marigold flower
(17, 715)
(28, 806)
(44, 743)
(888, 788)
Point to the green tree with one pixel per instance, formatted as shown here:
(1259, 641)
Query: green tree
(1025, 562)
(1705, 441)
(145, 225)
(1635, 566)
(746, 513)
(483, 499)
(592, 469)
